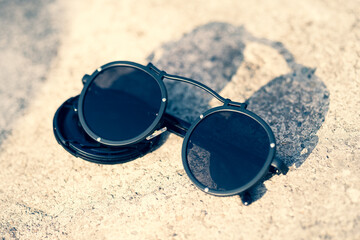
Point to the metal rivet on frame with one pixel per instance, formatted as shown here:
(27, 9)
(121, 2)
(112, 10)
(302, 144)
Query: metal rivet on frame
(201, 116)
(164, 99)
(99, 69)
(272, 145)
(206, 189)
(98, 139)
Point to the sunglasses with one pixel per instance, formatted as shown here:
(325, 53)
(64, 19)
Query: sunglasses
(121, 114)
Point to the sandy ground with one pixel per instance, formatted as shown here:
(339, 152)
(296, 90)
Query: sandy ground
(47, 193)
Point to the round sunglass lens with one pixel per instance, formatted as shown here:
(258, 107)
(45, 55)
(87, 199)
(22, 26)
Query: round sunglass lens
(121, 103)
(227, 150)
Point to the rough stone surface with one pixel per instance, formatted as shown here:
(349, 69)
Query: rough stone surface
(295, 62)
(28, 43)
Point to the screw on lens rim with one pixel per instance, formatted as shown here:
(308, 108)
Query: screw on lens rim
(144, 134)
(261, 173)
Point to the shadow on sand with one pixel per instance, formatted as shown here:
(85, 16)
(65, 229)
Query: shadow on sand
(294, 104)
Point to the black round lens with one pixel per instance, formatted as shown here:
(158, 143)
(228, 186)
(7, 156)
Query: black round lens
(227, 150)
(121, 103)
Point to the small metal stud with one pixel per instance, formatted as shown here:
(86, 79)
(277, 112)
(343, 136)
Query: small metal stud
(99, 69)
(164, 99)
(201, 116)
(272, 145)
(206, 189)
(98, 139)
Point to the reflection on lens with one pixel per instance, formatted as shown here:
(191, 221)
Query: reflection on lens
(226, 150)
(121, 103)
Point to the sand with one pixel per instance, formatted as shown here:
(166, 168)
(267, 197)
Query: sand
(296, 62)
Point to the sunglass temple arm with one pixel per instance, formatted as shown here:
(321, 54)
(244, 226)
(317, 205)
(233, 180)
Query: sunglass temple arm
(176, 125)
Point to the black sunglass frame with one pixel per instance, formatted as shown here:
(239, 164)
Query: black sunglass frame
(173, 125)
(270, 160)
(87, 80)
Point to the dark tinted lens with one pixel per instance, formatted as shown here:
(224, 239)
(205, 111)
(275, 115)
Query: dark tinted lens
(121, 103)
(226, 150)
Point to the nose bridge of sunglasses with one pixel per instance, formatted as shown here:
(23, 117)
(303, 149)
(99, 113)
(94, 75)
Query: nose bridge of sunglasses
(200, 85)
(176, 125)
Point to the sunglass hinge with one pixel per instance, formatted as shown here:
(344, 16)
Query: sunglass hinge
(156, 70)
(245, 198)
(236, 104)
(227, 101)
(85, 78)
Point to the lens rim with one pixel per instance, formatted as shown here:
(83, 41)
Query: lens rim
(261, 173)
(156, 123)
(83, 149)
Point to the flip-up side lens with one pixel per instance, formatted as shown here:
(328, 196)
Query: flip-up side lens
(227, 150)
(121, 103)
